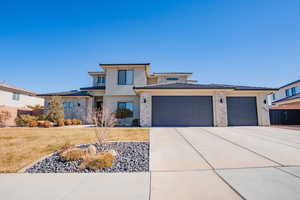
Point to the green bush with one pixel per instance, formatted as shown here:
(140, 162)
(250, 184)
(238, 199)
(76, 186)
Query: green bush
(122, 113)
(55, 109)
(24, 120)
(135, 122)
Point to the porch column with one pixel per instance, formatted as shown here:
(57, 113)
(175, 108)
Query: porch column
(145, 110)
(262, 110)
(89, 110)
(220, 109)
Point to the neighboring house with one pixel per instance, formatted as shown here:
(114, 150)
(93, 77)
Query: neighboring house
(15, 99)
(166, 99)
(285, 104)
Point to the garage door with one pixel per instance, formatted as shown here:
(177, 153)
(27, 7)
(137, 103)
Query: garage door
(182, 111)
(241, 111)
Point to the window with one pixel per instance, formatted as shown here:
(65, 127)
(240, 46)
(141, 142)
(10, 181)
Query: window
(172, 79)
(293, 89)
(16, 96)
(125, 77)
(288, 92)
(68, 105)
(100, 79)
(273, 96)
(127, 105)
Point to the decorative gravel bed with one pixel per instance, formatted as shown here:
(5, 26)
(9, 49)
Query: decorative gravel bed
(132, 157)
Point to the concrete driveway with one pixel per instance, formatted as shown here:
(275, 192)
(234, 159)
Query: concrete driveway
(185, 163)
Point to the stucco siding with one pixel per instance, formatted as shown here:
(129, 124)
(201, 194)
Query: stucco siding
(112, 87)
(7, 100)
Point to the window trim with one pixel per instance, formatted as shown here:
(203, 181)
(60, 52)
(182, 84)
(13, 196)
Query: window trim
(125, 78)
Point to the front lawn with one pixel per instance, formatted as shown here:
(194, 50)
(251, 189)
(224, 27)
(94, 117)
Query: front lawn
(20, 147)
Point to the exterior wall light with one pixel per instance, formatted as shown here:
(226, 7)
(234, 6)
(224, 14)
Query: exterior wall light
(265, 101)
(221, 100)
(145, 100)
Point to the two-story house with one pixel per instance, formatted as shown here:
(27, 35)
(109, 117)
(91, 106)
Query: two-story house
(166, 99)
(285, 104)
(15, 99)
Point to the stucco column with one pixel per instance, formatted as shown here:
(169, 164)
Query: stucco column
(262, 110)
(220, 109)
(145, 110)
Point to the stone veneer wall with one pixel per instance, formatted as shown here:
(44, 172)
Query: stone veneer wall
(145, 110)
(81, 110)
(220, 109)
(262, 110)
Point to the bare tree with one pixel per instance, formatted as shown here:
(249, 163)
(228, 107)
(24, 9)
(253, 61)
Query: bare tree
(103, 119)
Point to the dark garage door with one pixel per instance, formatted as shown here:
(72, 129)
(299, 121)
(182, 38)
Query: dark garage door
(182, 111)
(241, 111)
(285, 117)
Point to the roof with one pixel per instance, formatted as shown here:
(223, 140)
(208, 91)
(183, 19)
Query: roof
(71, 93)
(93, 88)
(96, 73)
(297, 96)
(172, 73)
(290, 83)
(202, 86)
(113, 64)
(7, 87)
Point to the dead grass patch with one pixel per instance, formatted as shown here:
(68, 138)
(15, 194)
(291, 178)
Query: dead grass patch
(20, 147)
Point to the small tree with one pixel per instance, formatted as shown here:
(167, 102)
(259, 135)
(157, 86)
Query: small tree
(103, 119)
(4, 116)
(55, 109)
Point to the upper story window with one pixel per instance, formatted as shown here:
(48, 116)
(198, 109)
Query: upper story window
(125, 77)
(16, 96)
(293, 89)
(100, 80)
(288, 92)
(273, 96)
(172, 79)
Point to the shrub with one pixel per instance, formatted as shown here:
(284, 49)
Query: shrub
(72, 154)
(55, 109)
(99, 161)
(135, 122)
(122, 113)
(61, 122)
(79, 122)
(24, 120)
(41, 117)
(4, 116)
(68, 122)
(66, 146)
(33, 123)
(47, 124)
(74, 121)
(41, 123)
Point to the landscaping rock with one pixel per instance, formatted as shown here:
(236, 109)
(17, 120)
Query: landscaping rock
(131, 157)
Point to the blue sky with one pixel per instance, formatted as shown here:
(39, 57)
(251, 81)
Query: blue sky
(50, 46)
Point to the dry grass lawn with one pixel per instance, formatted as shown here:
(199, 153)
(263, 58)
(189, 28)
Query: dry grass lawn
(20, 147)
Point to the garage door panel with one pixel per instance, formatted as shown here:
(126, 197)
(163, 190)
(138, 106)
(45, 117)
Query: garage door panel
(182, 111)
(242, 111)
